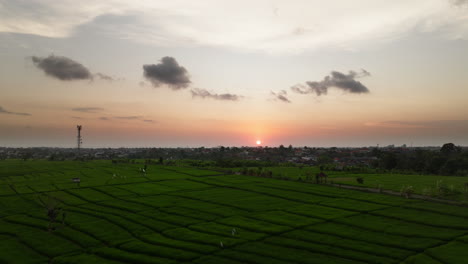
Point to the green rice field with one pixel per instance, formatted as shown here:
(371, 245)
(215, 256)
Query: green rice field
(117, 214)
(445, 187)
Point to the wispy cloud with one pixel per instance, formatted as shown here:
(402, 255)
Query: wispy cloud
(4, 111)
(345, 82)
(128, 117)
(88, 109)
(459, 2)
(432, 124)
(168, 72)
(105, 77)
(243, 24)
(136, 118)
(197, 92)
(281, 96)
(397, 124)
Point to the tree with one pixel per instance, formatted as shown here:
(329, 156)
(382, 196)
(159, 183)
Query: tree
(389, 161)
(449, 148)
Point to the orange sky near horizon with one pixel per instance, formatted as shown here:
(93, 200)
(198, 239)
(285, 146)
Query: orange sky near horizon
(396, 76)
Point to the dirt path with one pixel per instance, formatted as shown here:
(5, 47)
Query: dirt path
(394, 193)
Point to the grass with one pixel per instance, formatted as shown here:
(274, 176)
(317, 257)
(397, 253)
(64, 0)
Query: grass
(187, 215)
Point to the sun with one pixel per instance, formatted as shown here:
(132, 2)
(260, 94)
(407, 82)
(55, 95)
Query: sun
(259, 142)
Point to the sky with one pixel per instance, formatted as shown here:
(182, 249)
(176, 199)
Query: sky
(228, 73)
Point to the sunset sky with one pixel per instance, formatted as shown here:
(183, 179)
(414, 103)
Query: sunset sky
(212, 72)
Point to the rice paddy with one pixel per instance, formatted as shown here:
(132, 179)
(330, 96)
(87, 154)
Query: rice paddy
(169, 214)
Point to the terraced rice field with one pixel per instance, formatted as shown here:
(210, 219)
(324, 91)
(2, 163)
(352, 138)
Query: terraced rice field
(184, 215)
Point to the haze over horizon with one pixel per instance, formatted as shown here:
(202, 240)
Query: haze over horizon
(210, 73)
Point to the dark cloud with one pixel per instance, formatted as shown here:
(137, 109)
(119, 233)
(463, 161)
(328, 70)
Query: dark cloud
(103, 118)
(62, 68)
(148, 121)
(196, 92)
(345, 82)
(3, 111)
(281, 96)
(87, 109)
(168, 72)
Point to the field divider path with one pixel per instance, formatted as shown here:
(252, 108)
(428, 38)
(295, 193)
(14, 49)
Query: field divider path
(370, 212)
(387, 206)
(80, 231)
(39, 228)
(100, 216)
(156, 207)
(277, 234)
(425, 251)
(287, 189)
(416, 222)
(120, 209)
(395, 193)
(192, 175)
(324, 195)
(211, 202)
(187, 226)
(334, 220)
(85, 187)
(133, 235)
(27, 245)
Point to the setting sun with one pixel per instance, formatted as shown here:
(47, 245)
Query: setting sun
(259, 142)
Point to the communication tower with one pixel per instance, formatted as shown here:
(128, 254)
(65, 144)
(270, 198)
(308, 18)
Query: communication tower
(79, 139)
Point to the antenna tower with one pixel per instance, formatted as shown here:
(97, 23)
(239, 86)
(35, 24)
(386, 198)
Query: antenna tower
(79, 139)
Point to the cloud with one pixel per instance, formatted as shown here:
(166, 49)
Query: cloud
(397, 124)
(281, 96)
(168, 72)
(197, 92)
(429, 125)
(104, 118)
(345, 82)
(3, 111)
(241, 25)
(460, 3)
(105, 77)
(128, 117)
(87, 109)
(62, 68)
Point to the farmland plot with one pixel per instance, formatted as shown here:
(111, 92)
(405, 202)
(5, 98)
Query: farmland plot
(185, 215)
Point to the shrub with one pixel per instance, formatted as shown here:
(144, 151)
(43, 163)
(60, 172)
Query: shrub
(407, 191)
